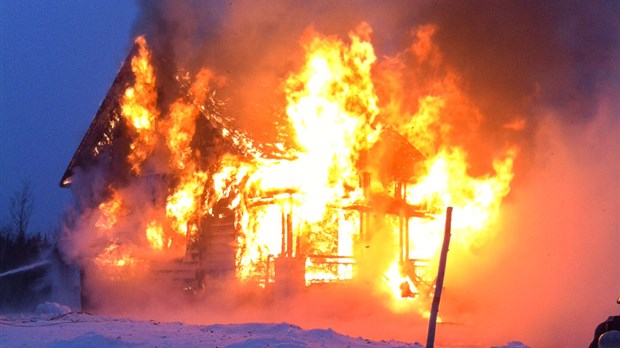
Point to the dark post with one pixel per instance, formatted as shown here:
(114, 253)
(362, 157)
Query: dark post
(430, 338)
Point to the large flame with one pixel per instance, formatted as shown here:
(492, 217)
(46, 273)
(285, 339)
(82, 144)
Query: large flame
(313, 203)
(332, 108)
(139, 106)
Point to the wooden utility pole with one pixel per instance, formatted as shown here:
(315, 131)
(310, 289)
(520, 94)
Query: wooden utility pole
(430, 338)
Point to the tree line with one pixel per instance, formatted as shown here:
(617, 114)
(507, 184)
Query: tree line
(19, 247)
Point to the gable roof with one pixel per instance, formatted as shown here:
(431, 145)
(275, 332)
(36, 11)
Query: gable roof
(103, 128)
(392, 156)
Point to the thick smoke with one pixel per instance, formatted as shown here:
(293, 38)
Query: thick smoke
(513, 57)
(256, 45)
(518, 58)
(542, 75)
(550, 275)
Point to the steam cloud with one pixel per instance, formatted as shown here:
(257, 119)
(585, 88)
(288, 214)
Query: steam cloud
(550, 274)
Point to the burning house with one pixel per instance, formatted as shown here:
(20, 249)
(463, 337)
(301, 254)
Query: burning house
(169, 186)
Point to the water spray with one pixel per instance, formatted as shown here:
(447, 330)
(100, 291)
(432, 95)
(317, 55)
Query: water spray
(25, 268)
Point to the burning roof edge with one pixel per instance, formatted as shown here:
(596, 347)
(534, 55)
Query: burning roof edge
(393, 154)
(100, 128)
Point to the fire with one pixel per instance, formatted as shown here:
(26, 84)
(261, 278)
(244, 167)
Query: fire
(332, 108)
(116, 263)
(180, 126)
(139, 109)
(179, 129)
(182, 204)
(109, 212)
(155, 236)
(435, 125)
(319, 206)
(476, 200)
(139, 106)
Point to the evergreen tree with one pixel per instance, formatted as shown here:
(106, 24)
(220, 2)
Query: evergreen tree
(18, 248)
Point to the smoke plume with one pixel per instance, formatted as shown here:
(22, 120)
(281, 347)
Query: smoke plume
(537, 76)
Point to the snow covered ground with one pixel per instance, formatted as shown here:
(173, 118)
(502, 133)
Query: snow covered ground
(55, 325)
(82, 330)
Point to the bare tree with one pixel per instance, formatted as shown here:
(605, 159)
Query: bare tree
(20, 209)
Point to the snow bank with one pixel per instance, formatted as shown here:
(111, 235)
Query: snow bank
(84, 330)
(55, 325)
(52, 309)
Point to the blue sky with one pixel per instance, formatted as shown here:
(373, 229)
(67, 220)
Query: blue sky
(58, 59)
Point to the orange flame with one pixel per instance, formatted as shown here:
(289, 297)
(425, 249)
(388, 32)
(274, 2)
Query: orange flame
(116, 263)
(109, 212)
(155, 236)
(139, 106)
(332, 108)
(312, 205)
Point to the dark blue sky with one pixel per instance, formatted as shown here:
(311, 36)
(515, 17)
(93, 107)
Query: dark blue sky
(58, 59)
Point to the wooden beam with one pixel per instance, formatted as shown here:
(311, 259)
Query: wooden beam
(430, 338)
